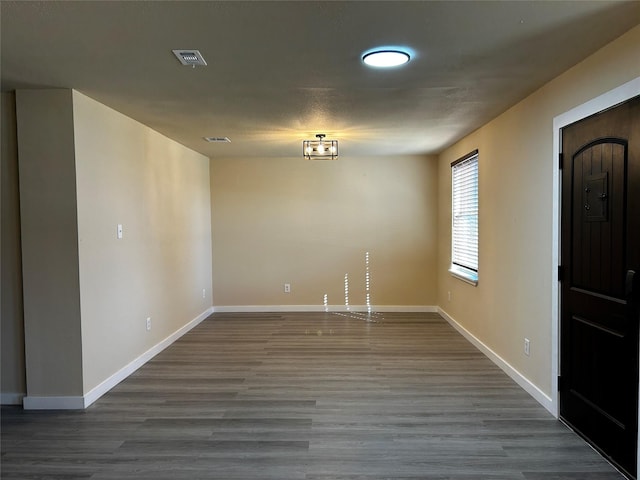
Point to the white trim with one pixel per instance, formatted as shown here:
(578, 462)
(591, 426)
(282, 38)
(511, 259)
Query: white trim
(79, 403)
(321, 308)
(602, 102)
(405, 308)
(461, 274)
(515, 375)
(11, 398)
(607, 100)
(53, 403)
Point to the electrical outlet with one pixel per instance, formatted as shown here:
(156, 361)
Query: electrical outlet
(204, 293)
(148, 323)
(449, 295)
(527, 347)
(287, 288)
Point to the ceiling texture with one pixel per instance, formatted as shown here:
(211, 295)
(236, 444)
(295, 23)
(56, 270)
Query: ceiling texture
(281, 72)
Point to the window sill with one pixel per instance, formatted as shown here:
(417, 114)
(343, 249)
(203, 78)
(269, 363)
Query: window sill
(465, 275)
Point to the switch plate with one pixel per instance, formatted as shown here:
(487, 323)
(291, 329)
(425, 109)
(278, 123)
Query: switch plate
(527, 347)
(119, 231)
(148, 323)
(287, 288)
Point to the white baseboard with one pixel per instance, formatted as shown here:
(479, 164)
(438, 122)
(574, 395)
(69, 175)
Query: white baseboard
(78, 403)
(515, 375)
(405, 308)
(321, 308)
(11, 398)
(96, 392)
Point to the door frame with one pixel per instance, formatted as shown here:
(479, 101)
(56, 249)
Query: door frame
(602, 102)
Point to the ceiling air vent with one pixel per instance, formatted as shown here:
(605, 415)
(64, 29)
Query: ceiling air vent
(217, 139)
(189, 57)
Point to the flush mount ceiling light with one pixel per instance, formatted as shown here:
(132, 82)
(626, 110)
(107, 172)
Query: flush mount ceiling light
(320, 149)
(386, 58)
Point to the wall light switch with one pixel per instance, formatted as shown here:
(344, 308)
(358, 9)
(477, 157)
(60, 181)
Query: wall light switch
(119, 230)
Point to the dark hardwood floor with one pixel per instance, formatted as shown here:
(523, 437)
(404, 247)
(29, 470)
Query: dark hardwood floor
(310, 396)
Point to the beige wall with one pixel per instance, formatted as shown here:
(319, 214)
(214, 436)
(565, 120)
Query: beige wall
(11, 316)
(308, 223)
(159, 191)
(49, 243)
(513, 298)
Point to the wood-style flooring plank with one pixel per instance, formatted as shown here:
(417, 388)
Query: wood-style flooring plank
(305, 396)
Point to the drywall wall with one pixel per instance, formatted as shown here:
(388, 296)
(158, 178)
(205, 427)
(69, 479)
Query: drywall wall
(308, 223)
(84, 169)
(49, 232)
(11, 318)
(513, 299)
(158, 191)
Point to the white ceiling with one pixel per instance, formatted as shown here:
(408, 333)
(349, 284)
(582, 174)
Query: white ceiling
(280, 72)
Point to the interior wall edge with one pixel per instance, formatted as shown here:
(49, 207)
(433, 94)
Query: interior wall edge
(13, 384)
(49, 242)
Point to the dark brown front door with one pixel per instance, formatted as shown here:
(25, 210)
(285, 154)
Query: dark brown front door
(600, 276)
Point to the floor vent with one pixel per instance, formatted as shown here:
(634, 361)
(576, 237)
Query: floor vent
(217, 139)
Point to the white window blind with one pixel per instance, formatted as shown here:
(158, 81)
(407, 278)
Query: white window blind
(464, 241)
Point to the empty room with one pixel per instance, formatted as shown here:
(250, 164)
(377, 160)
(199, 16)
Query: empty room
(314, 240)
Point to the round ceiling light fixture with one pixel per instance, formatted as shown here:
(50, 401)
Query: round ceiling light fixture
(386, 58)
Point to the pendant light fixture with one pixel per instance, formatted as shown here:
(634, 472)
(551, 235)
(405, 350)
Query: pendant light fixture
(320, 149)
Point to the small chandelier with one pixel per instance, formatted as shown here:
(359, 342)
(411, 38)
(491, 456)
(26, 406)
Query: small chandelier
(320, 149)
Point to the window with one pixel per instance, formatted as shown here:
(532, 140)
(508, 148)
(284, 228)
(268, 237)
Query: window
(464, 223)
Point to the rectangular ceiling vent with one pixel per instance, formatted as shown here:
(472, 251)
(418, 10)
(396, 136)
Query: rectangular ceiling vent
(217, 139)
(189, 57)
